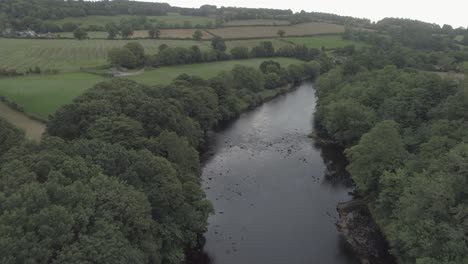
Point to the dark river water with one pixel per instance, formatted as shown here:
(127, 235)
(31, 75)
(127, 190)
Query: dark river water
(274, 191)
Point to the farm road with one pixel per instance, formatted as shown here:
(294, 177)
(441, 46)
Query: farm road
(33, 128)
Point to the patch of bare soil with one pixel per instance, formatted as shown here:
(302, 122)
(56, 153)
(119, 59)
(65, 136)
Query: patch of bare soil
(33, 128)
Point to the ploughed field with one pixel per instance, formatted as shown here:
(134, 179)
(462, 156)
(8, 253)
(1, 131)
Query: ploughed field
(304, 29)
(42, 95)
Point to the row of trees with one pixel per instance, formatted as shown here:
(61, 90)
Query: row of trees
(132, 55)
(404, 131)
(115, 180)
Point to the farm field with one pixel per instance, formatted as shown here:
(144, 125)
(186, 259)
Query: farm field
(304, 29)
(171, 19)
(42, 95)
(327, 41)
(165, 75)
(69, 55)
(257, 22)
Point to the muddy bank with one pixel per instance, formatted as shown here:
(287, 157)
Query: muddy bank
(32, 128)
(362, 233)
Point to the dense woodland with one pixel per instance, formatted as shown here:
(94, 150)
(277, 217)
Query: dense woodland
(405, 134)
(115, 180)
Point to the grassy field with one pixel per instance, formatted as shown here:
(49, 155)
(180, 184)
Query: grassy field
(257, 22)
(171, 19)
(165, 75)
(69, 55)
(327, 41)
(304, 29)
(42, 95)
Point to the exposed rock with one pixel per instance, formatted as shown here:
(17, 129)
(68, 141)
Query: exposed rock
(362, 233)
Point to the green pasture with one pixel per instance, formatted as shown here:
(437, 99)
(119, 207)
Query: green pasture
(68, 55)
(42, 95)
(327, 41)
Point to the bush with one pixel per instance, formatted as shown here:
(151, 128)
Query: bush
(272, 81)
(240, 52)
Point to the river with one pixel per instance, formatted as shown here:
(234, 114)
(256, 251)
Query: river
(274, 191)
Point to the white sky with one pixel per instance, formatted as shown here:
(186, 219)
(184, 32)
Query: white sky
(452, 12)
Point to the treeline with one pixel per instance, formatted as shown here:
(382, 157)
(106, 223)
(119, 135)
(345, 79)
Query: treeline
(18, 10)
(438, 53)
(29, 71)
(115, 180)
(303, 17)
(405, 136)
(132, 55)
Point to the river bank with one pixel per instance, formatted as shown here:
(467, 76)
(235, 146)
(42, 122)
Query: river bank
(362, 233)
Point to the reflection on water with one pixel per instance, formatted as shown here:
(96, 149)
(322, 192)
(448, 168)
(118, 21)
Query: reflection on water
(274, 190)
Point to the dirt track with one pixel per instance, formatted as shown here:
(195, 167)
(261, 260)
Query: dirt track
(33, 128)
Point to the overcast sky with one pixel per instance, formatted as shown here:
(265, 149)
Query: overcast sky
(453, 12)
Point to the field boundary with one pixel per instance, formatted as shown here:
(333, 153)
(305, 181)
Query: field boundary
(14, 106)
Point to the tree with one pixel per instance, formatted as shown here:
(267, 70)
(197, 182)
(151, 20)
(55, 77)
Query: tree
(112, 30)
(240, 52)
(281, 33)
(270, 66)
(197, 35)
(137, 50)
(347, 120)
(218, 44)
(272, 81)
(69, 26)
(154, 32)
(126, 30)
(10, 136)
(248, 78)
(122, 57)
(380, 150)
(80, 34)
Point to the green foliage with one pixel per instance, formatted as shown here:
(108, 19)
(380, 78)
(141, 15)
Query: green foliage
(130, 56)
(272, 81)
(380, 150)
(197, 35)
(218, 44)
(247, 78)
(405, 131)
(10, 136)
(80, 34)
(240, 52)
(270, 66)
(112, 30)
(122, 57)
(347, 120)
